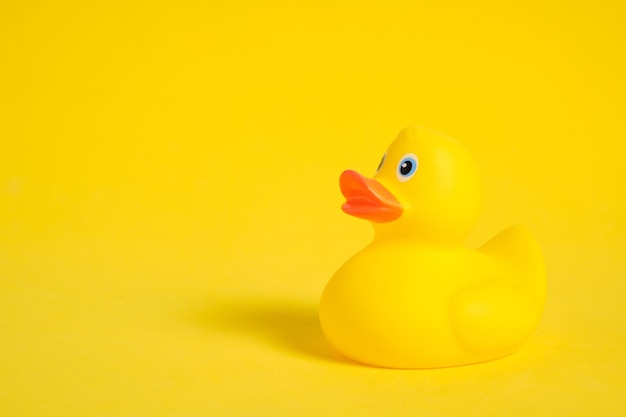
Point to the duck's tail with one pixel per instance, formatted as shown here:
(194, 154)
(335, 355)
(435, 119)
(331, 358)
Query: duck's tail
(517, 246)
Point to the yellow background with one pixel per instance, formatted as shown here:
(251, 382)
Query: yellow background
(169, 203)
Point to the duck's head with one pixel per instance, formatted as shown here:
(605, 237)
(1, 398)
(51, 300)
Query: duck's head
(426, 187)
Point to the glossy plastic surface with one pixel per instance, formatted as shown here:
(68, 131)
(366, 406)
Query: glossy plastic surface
(416, 297)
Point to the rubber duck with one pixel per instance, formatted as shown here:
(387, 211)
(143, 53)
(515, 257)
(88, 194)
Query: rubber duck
(416, 297)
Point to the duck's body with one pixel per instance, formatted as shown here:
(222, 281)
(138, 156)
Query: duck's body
(420, 301)
(437, 306)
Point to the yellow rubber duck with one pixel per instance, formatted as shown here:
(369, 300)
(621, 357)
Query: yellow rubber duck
(416, 297)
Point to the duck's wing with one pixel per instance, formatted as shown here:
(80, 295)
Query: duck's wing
(498, 314)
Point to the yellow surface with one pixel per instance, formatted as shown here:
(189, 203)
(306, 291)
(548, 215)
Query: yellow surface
(169, 209)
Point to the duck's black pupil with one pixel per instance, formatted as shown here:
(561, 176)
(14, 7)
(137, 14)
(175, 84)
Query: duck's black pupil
(406, 167)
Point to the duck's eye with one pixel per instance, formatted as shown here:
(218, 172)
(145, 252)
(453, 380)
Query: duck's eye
(407, 167)
(382, 161)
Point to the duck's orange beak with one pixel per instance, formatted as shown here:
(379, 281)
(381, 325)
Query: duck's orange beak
(368, 199)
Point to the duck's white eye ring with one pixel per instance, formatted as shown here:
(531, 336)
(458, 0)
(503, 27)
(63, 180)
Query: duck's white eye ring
(382, 161)
(407, 167)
